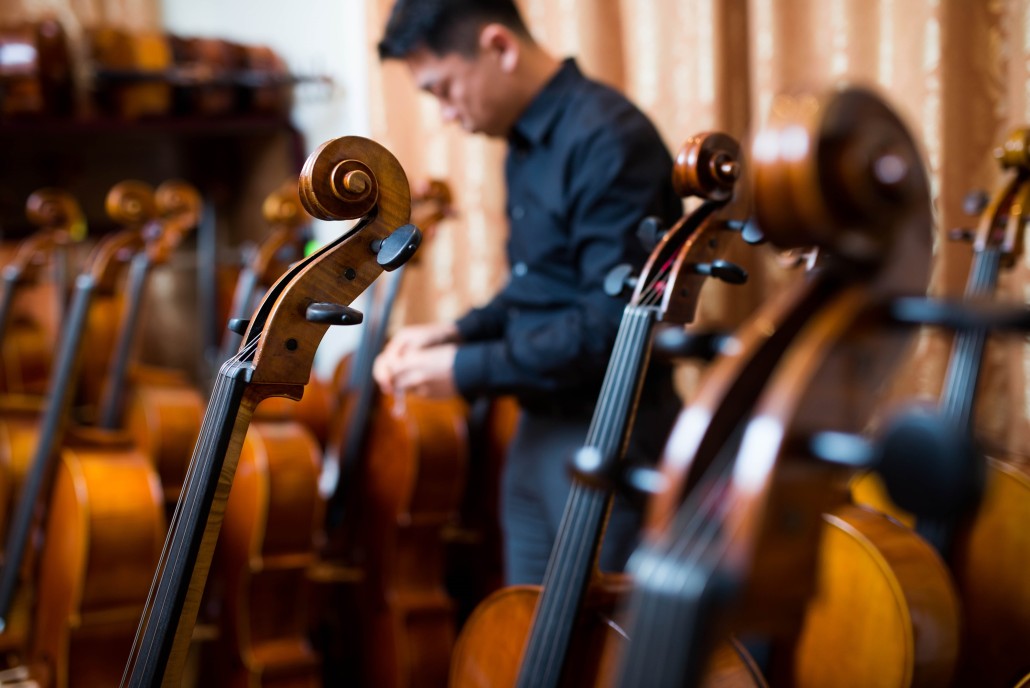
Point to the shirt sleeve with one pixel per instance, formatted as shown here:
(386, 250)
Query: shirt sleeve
(617, 178)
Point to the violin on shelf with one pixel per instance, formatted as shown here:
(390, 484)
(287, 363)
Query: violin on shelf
(35, 285)
(984, 539)
(92, 501)
(348, 178)
(393, 475)
(35, 70)
(557, 634)
(748, 519)
(115, 51)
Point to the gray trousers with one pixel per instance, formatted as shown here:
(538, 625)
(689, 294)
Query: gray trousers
(534, 488)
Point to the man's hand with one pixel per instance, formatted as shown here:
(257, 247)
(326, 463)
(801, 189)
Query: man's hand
(419, 359)
(426, 372)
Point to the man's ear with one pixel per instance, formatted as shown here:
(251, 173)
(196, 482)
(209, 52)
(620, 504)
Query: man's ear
(498, 40)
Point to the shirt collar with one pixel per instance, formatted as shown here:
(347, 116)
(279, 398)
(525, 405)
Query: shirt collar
(538, 119)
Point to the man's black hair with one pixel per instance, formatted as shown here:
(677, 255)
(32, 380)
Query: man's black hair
(444, 26)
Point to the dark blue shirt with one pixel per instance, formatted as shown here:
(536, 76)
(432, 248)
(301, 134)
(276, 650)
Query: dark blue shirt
(584, 166)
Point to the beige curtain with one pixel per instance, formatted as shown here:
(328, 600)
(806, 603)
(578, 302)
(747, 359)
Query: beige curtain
(957, 71)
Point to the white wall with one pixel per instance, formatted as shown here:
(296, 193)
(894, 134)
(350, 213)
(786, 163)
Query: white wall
(315, 37)
(325, 37)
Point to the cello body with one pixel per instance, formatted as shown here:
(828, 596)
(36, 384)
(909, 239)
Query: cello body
(883, 597)
(983, 541)
(103, 537)
(489, 657)
(264, 552)
(412, 477)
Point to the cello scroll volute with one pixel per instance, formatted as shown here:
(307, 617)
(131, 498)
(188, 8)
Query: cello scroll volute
(1003, 223)
(59, 218)
(179, 206)
(859, 192)
(345, 178)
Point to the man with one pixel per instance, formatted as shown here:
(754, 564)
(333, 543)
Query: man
(584, 167)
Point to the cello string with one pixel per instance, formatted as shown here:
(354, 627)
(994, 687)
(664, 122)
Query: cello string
(579, 516)
(169, 550)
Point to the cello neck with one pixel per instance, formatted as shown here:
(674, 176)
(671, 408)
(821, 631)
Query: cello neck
(53, 425)
(114, 390)
(579, 535)
(163, 638)
(966, 359)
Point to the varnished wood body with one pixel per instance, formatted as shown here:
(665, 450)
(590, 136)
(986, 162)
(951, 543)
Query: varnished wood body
(989, 562)
(906, 633)
(408, 491)
(104, 532)
(164, 420)
(264, 552)
(490, 647)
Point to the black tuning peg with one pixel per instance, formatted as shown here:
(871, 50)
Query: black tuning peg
(748, 229)
(728, 272)
(959, 315)
(619, 280)
(930, 465)
(843, 449)
(650, 231)
(590, 467)
(333, 314)
(239, 325)
(975, 202)
(395, 250)
(636, 482)
(674, 342)
(645, 481)
(961, 234)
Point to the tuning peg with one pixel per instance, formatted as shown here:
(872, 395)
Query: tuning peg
(975, 202)
(728, 272)
(333, 314)
(930, 464)
(645, 481)
(591, 468)
(676, 343)
(239, 325)
(619, 280)
(748, 229)
(650, 231)
(961, 234)
(843, 449)
(959, 315)
(395, 250)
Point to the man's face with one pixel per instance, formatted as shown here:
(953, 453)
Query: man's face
(470, 90)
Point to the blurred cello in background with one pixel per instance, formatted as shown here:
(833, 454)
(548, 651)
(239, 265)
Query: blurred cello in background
(31, 306)
(90, 498)
(393, 475)
(555, 634)
(742, 553)
(158, 407)
(985, 543)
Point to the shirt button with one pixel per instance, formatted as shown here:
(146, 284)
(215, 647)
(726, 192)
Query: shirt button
(518, 212)
(519, 269)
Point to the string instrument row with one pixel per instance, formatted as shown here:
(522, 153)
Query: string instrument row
(90, 501)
